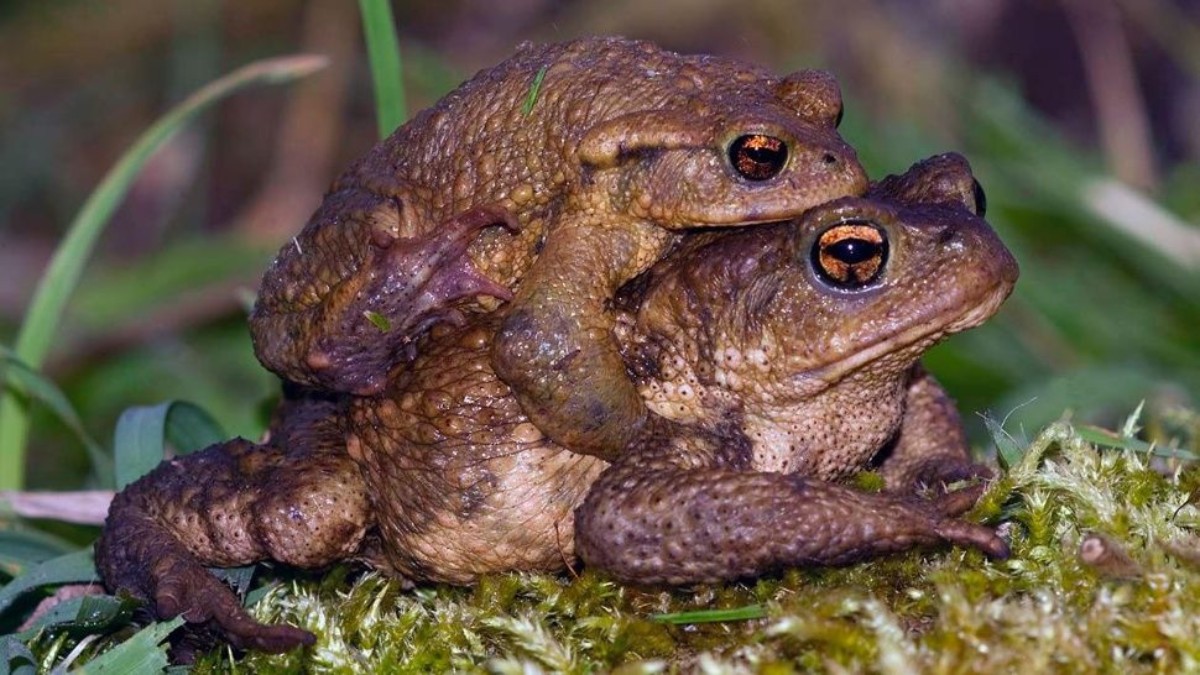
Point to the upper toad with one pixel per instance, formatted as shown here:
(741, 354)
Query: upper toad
(598, 151)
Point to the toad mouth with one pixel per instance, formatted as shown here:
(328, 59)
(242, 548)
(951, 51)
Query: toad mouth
(942, 325)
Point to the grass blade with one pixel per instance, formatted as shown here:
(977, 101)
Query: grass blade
(83, 507)
(62, 275)
(15, 657)
(143, 433)
(383, 52)
(191, 428)
(1104, 437)
(20, 550)
(30, 384)
(712, 615)
(142, 654)
(87, 613)
(534, 89)
(69, 568)
(1010, 451)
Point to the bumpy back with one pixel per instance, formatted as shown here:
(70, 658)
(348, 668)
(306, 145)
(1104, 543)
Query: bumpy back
(519, 123)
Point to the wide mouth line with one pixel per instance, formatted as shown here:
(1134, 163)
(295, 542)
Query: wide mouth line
(836, 371)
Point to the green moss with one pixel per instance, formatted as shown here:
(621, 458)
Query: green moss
(868, 481)
(1044, 609)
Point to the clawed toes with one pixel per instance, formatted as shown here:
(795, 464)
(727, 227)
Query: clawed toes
(940, 473)
(172, 598)
(272, 639)
(201, 598)
(997, 548)
(990, 543)
(958, 502)
(978, 536)
(244, 632)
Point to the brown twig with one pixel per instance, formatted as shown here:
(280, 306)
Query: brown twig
(88, 507)
(562, 552)
(1121, 116)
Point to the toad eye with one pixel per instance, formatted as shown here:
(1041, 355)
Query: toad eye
(758, 156)
(980, 198)
(850, 255)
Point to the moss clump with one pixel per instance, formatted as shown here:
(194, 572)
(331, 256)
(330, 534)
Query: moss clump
(1104, 577)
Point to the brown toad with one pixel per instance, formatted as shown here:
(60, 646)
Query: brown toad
(597, 152)
(775, 359)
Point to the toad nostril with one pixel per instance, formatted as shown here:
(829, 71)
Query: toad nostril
(945, 235)
(830, 159)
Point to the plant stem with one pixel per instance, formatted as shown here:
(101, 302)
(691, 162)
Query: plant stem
(383, 52)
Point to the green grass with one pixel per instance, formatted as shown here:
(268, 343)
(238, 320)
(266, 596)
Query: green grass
(142, 438)
(383, 52)
(59, 281)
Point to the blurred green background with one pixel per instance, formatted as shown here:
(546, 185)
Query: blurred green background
(1080, 117)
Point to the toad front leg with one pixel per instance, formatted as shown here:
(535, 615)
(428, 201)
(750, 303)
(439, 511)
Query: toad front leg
(686, 517)
(231, 504)
(931, 449)
(342, 303)
(556, 347)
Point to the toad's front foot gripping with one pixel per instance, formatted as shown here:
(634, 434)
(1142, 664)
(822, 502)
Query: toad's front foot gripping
(931, 449)
(556, 347)
(570, 380)
(365, 320)
(679, 526)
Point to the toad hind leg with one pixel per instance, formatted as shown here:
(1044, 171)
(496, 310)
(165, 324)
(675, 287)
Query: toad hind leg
(233, 503)
(339, 307)
(691, 519)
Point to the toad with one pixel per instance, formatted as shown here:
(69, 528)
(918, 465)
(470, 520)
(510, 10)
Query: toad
(777, 361)
(593, 155)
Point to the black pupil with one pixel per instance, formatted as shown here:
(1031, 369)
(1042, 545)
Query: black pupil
(757, 156)
(853, 251)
